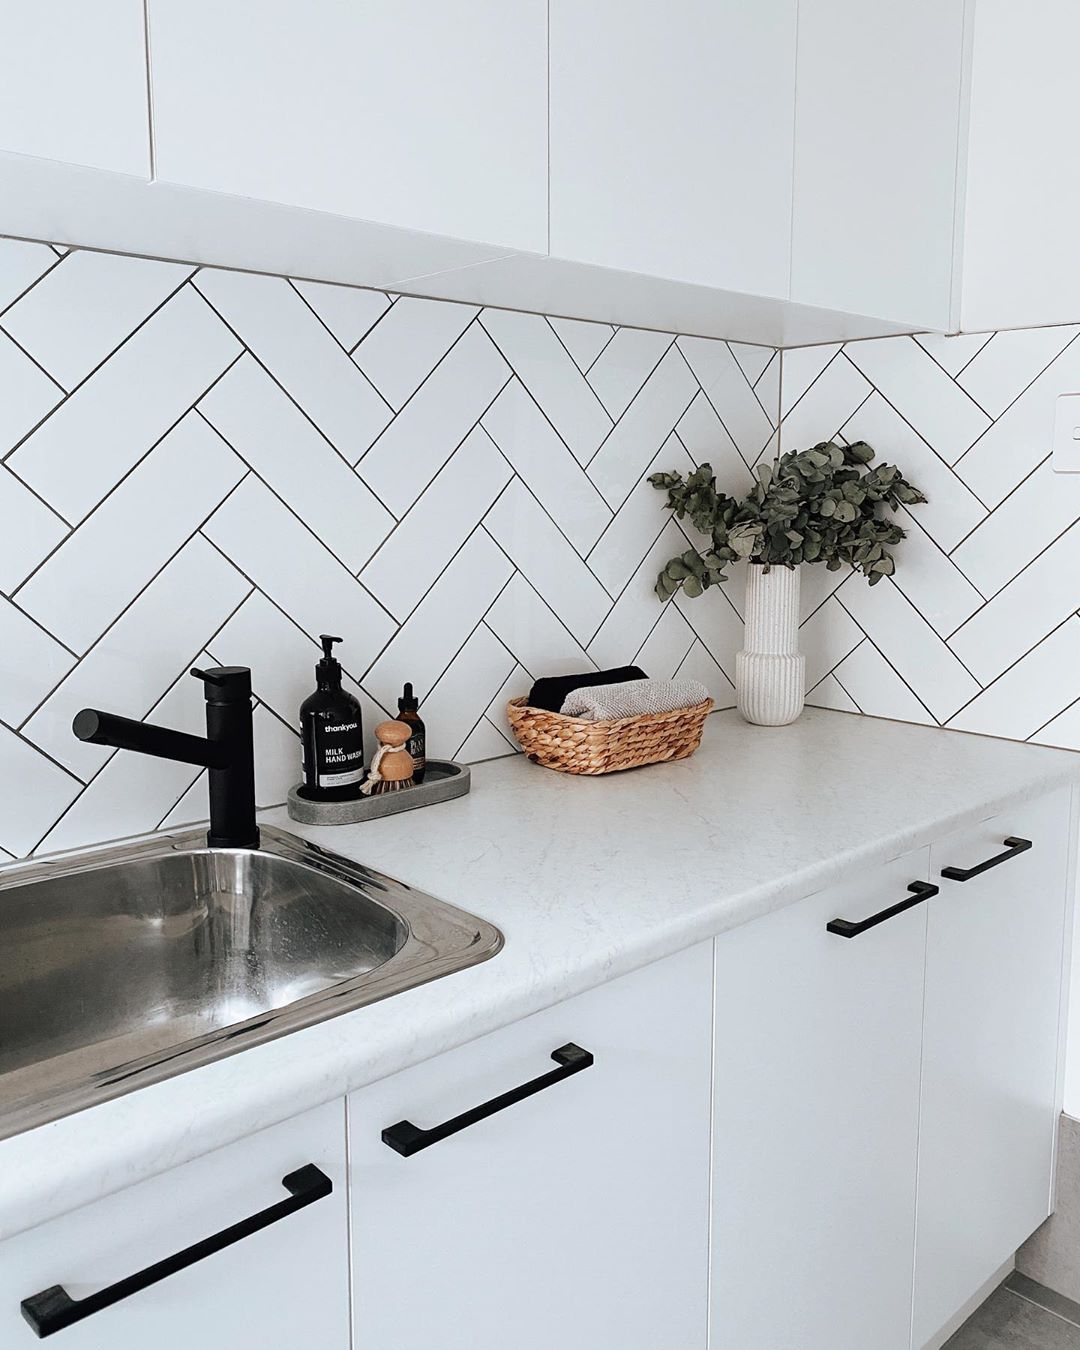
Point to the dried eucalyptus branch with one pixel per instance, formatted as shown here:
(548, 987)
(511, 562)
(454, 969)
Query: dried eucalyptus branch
(817, 505)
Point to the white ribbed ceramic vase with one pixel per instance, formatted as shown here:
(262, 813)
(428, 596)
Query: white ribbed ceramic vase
(770, 671)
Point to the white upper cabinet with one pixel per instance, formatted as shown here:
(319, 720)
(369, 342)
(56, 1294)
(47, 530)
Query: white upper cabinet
(430, 116)
(1023, 191)
(671, 138)
(877, 130)
(73, 82)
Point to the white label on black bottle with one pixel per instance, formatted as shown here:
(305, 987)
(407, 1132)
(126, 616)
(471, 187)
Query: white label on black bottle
(340, 779)
(339, 754)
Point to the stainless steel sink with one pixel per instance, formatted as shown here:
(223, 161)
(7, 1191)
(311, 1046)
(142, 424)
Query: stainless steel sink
(122, 967)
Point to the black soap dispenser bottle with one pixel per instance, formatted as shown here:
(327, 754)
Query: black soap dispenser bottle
(332, 734)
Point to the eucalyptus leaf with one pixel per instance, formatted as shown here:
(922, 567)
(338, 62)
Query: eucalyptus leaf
(825, 504)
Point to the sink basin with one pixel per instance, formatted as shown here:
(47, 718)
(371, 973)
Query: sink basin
(124, 966)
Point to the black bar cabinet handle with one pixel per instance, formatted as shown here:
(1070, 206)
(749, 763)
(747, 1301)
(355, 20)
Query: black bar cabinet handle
(54, 1309)
(406, 1138)
(848, 928)
(1013, 846)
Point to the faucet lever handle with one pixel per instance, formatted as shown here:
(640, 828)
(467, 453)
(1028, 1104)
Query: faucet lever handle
(225, 684)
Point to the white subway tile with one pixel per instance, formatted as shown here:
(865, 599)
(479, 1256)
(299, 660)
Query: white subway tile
(540, 360)
(126, 406)
(43, 793)
(526, 534)
(287, 562)
(144, 652)
(296, 461)
(935, 405)
(625, 364)
(435, 421)
(85, 308)
(29, 531)
(439, 522)
(101, 567)
(402, 350)
(26, 394)
(436, 630)
(279, 328)
(526, 438)
(645, 426)
(348, 311)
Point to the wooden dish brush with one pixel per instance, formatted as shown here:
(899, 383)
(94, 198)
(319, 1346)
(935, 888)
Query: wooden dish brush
(392, 767)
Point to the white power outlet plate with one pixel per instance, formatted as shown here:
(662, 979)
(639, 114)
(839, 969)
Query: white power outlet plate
(1067, 434)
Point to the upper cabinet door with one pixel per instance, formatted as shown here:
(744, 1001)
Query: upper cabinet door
(1023, 191)
(73, 82)
(877, 129)
(430, 116)
(671, 131)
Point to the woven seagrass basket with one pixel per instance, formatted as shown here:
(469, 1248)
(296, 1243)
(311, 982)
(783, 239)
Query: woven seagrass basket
(573, 745)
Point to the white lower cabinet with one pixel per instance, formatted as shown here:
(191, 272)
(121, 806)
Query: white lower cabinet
(886, 1101)
(816, 1120)
(279, 1288)
(990, 1058)
(575, 1218)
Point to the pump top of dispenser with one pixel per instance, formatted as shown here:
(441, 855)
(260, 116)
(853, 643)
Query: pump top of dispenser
(407, 702)
(328, 670)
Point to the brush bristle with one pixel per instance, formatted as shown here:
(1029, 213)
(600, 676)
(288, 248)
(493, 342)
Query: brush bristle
(393, 785)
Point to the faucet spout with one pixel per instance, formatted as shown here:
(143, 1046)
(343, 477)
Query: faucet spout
(125, 733)
(227, 750)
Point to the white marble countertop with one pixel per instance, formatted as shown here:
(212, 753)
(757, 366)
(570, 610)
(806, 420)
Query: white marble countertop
(588, 878)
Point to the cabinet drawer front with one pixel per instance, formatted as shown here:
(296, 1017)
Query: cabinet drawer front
(574, 1216)
(277, 1288)
(816, 1117)
(990, 1060)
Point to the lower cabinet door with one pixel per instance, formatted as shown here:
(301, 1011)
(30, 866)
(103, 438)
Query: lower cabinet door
(282, 1287)
(993, 1011)
(816, 1119)
(574, 1217)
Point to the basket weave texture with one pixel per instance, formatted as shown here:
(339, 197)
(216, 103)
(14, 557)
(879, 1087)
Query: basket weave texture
(574, 745)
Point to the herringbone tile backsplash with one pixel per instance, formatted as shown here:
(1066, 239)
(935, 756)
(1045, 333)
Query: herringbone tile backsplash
(980, 630)
(211, 466)
(203, 465)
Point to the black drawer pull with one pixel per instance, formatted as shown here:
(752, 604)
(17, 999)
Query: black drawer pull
(1013, 847)
(406, 1138)
(54, 1309)
(848, 928)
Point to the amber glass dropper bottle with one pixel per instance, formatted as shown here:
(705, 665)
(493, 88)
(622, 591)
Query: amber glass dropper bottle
(408, 712)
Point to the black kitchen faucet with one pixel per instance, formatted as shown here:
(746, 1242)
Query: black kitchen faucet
(227, 750)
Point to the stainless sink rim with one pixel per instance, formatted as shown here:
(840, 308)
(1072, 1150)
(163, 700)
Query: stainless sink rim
(441, 939)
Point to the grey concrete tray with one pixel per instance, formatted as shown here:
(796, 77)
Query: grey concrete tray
(443, 780)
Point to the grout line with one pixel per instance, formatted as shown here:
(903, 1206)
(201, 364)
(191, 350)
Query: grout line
(31, 357)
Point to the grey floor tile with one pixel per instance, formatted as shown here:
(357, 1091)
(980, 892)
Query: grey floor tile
(1008, 1322)
(1049, 1299)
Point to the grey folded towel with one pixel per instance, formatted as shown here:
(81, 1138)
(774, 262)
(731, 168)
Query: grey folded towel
(631, 698)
